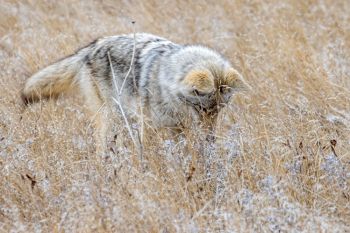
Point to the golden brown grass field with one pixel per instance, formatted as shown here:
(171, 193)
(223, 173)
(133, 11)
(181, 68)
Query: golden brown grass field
(282, 160)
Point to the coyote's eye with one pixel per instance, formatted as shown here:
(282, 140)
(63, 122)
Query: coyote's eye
(224, 88)
(198, 93)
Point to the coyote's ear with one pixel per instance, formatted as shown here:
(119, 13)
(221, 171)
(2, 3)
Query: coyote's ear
(235, 80)
(200, 82)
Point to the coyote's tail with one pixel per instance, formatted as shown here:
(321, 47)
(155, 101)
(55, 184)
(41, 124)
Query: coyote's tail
(54, 79)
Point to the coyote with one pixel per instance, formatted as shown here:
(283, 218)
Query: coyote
(174, 84)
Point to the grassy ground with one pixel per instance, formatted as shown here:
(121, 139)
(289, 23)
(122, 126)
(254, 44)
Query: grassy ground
(283, 163)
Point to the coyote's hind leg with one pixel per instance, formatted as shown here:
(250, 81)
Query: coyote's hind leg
(98, 109)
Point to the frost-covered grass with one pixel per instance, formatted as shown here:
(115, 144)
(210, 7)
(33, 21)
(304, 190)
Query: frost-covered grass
(282, 159)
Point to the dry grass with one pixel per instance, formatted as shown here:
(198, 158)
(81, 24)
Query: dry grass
(282, 163)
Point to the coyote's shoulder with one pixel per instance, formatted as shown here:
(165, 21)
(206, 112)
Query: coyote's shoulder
(172, 82)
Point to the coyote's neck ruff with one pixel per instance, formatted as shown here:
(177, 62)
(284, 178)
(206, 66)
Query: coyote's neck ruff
(172, 82)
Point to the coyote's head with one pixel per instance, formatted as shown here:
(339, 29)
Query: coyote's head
(207, 80)
(209, 90)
